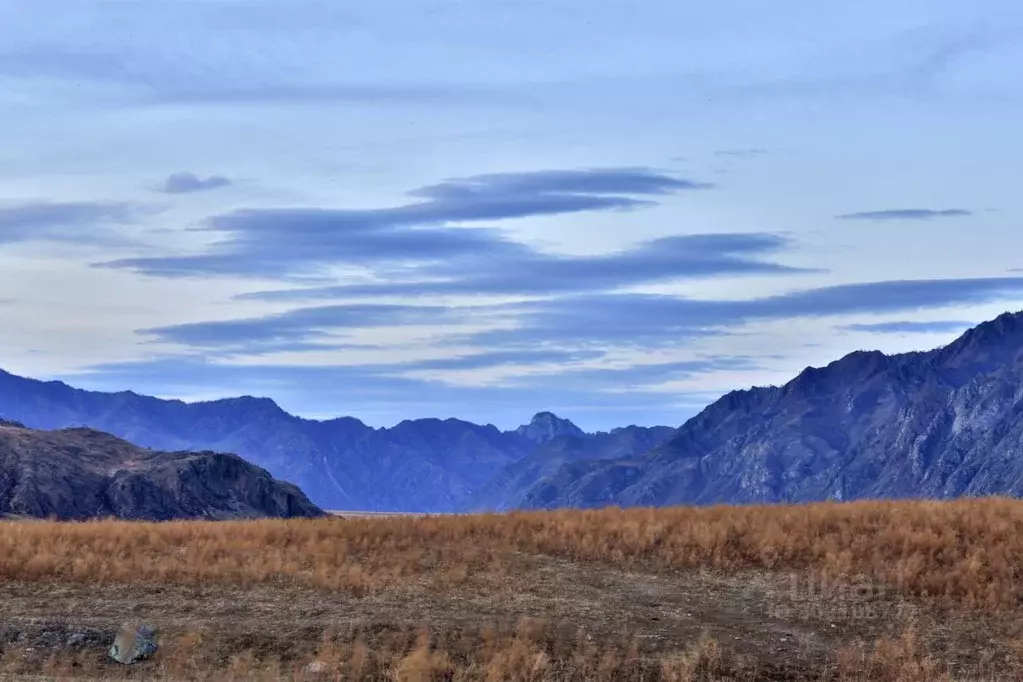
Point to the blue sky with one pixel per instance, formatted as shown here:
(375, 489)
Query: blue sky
(484, 209)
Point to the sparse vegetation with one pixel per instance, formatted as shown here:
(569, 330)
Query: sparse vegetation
(504, 597)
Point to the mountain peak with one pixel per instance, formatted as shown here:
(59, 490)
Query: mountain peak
(987, 346)
(1004, 327)
(546, 426)
(250, 403)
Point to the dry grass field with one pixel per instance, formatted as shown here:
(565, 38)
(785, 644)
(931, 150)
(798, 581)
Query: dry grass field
(906, 591)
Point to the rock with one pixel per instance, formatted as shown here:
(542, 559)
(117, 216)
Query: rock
(133, 644)
(76, 640)
(316, 668)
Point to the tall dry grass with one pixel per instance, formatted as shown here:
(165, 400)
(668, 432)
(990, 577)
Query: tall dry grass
(968, 553)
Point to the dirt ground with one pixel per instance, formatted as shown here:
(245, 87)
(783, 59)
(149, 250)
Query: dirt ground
(781, 626)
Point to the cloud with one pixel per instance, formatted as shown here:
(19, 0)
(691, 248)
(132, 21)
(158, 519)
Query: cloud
(141, 76)
(523, 271)
(68, 221)
(742, 153)
(599, 181)
(587, 321)
(387, 394)
(560, 340)
(642, 376)
(645, 320)
(301, 328)
(183, 183)
(278, 242)
(909, 327)
(907, 214)
(500, 358)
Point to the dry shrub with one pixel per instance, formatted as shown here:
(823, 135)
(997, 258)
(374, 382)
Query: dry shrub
(889, 659)
(424, 664)
(702, 662)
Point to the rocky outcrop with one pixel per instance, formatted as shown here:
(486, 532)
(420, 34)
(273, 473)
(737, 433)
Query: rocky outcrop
(81, 473)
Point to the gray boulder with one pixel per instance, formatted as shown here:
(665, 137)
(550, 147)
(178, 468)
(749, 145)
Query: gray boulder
(133, 644)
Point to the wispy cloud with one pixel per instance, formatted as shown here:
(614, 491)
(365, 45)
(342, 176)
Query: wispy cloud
(590, 321)
(742, 153)
(140, 75)
(523, 271)
(910, 327)
(276, 242)
(643, 320)
(388, 397)
(63, 221)
(907, 214)
(303, 326)
(184, 183)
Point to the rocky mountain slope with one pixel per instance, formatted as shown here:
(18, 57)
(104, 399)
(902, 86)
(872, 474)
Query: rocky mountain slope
(81, 473)
(937, 424)
(511, 487)
(418, 465)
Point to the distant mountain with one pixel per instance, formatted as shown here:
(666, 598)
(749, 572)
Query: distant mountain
(420, 465)
(511, 487)
(936, 424)
(545, 427)
(81, 473)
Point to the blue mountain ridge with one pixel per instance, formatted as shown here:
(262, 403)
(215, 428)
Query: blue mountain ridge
(937, 424)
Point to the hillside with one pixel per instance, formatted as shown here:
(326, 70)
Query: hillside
(938, 424)
(80, 473)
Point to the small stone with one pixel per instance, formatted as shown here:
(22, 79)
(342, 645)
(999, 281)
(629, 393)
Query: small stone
(133, 644)
(76, 640)
(316, 668)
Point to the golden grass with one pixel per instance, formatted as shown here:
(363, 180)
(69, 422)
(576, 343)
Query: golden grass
(969, 553)
(964, 555)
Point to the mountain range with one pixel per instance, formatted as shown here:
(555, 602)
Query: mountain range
(942, 423)
(422, 465)
(80, 473)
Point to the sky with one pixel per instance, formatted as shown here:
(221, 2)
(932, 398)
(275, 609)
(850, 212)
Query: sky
(487, 208)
